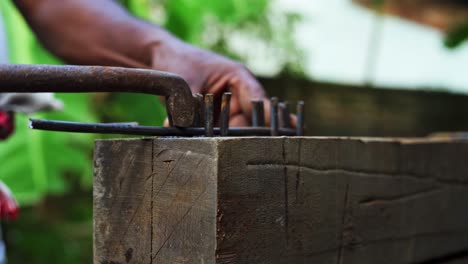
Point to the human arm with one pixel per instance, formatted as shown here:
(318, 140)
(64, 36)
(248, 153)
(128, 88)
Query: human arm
(101, 32)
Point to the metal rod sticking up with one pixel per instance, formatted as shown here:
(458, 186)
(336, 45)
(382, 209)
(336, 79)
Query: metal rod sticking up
(200, 114)
(284, 115)
(274, 116)
(258, 113)
(300, 119)
(209, 115)
(225, 112)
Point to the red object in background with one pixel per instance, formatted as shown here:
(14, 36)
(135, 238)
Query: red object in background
(8, 206)
(9, 209)
(7, 124)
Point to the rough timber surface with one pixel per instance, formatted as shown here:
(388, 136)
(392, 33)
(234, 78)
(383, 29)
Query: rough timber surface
(280, 200)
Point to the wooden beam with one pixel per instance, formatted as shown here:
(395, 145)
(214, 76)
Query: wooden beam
(279, 200)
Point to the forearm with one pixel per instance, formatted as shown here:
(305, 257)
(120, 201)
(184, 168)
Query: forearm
(93, 32)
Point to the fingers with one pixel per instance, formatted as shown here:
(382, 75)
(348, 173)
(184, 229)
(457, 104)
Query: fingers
(239, 120)
(267, 108)
(246, 88)
(293, 120)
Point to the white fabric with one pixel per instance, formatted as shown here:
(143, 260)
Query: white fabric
(29, 102)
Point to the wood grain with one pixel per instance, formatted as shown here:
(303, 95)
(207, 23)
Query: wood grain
(280, 200)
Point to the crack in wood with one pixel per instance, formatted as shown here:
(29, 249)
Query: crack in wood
(286, 200)
(298, 172)
(152, 200)
(343, 220)
(370, 201)
(270, 165)
(134, 213)
(169, 173)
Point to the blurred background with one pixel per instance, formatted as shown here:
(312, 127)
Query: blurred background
(364, 68)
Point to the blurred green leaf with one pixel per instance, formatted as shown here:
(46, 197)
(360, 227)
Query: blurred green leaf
(211, 24)
(34, 162)
(456, 36)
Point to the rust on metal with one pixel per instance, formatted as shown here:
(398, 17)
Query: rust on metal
(225, 113)
(180, 103)
(209, 115)
(128, 129)
(258, 113)
(274, 116)
(200, 111)
(284, 115)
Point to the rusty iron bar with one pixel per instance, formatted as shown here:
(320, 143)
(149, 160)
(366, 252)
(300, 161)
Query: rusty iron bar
(274, 116)
(200, 114)
(180, 104)
(209, 115)
(225, 113)
(300, 119)
(258, 113)
(284, 115)
(99, 128)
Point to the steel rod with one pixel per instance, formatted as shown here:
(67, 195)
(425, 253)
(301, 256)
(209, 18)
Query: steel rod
(284, 115)
(200, 114)
(300, 119)
(97, 128)
(225, 113)
(274, 116)
(258, 113)
(209, 115)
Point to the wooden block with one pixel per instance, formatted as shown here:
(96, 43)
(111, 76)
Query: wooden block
(279, 200)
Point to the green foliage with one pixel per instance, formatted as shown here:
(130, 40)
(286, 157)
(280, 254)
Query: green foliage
(212, 25)
(188, 18)
(141, 108)
(456, 36)
(378, 3)
(58, 230)
(34, 162)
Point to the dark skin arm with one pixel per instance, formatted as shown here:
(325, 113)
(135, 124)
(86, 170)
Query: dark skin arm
(100, 32)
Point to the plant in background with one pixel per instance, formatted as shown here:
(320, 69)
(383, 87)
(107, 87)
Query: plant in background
(34, 163)
(456, 36)
(247, 30)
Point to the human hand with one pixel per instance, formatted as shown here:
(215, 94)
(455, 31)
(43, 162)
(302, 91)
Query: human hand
(207, 72)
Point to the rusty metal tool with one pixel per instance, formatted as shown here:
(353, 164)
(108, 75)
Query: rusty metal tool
(189, 115)
(180, 102)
